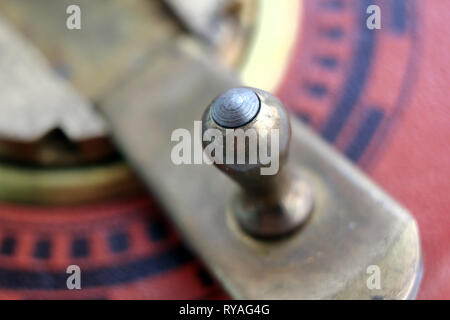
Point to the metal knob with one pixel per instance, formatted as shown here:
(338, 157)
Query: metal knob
(252, 133)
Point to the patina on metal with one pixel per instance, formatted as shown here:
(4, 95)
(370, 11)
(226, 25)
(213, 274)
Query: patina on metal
(164, 84)
(54, 148)
(204, 17)
(353, 225)
(61, 128)
(116, 35)
(235, 108)
(47, 121)
(69, 186)
(271, 204)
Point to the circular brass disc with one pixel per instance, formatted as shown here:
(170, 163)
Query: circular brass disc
(77, 185)
(54, 169)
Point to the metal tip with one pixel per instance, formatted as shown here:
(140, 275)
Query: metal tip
(235, 107)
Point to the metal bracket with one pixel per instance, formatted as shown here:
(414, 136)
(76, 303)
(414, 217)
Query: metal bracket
(354, 225)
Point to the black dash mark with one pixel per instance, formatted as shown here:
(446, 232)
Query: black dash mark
(157, 231)
(8, 246)
(317, 90)
(118, 242)
(80, 248)
(398, 19)
(42, 250)
(205, 277)
(328, 62)
(333, 33)
(334, 4)
(368, 127)
(149, 266)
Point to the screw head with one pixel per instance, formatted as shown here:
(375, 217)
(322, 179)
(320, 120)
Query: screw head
(235, 107)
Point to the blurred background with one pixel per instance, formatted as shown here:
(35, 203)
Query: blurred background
(68, 197)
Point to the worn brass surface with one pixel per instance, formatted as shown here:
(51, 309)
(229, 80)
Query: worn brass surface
(354, 223)
(204, 17)
(227, 25)
(114, 39)
(268, 205)
(114, 35)
(68, 186)
(45, 120)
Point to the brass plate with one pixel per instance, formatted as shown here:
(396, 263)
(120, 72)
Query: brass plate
(114, 35)
(68, 185)
(354, 224)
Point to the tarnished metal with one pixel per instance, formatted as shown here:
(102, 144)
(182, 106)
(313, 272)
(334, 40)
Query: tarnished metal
(68, 186)
(204, 17)
(116, 35)
(54, 148)
(113, 38)
(235, 108)
(354, 224)
(275, 198)
(162, 85)
(227, 25)
(39, 108)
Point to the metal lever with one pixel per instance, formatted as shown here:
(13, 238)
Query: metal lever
(353, 224)
(272, 204)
